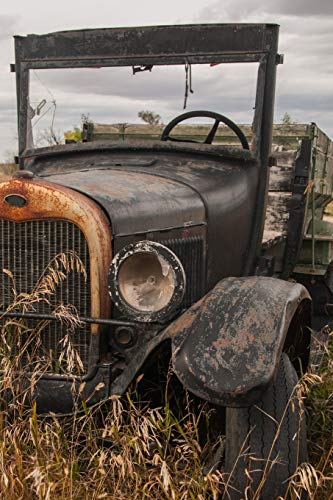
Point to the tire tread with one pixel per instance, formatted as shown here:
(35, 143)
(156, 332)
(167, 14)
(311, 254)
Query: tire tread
(290, 450)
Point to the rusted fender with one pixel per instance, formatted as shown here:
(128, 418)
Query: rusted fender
(226, 348)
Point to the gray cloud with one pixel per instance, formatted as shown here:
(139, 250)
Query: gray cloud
(304, 84)
(117, 96)
(301, 8)
(235, 10)
(7, 26)
(162, 83)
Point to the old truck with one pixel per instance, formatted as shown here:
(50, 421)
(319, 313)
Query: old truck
(157, 248)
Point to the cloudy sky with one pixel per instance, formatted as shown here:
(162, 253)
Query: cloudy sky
(304, 86)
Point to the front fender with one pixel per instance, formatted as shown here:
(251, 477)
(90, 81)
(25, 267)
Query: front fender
(226, 348)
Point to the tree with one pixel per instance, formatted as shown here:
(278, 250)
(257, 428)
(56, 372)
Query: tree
(287, 119)
(75, 134)
(150, 117)
(47, 137)
(9, 157)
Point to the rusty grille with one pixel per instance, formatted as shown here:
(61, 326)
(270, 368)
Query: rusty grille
(190, 252)
(26, 249)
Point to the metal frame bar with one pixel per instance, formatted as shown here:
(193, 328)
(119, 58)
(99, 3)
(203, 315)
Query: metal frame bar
(142, 45)
(53, 317)
(150, 45)
(298, 207)
(263, 132)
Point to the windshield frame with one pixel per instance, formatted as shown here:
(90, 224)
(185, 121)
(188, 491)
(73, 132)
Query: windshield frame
(141, 47)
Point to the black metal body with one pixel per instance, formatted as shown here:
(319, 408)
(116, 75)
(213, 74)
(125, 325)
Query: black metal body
(186, 189)
(206, 203)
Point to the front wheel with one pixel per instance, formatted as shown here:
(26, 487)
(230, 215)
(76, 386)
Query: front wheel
(267, 441)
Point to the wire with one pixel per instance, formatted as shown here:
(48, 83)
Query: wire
(41, 116)
(43, 84)
(53, 103)
(188, 82)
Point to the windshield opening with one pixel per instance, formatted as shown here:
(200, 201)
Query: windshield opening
(125, 103)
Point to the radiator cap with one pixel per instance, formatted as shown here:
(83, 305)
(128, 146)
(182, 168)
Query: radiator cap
(24, 174)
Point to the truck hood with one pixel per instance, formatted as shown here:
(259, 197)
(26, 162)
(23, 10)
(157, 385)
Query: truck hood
(147, 187)
(137, 202)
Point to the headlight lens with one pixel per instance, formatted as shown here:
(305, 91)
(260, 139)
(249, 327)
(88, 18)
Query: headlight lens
(147, 280)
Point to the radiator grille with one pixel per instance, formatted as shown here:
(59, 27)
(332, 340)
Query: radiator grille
(26, 249)
(190, 252)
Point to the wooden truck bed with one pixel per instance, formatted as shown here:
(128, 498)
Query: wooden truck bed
(300, 187)
(279, 196)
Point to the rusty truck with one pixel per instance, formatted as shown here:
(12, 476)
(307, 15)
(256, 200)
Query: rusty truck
(213, 254)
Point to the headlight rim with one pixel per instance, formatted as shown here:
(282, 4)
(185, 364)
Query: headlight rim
(146, 246)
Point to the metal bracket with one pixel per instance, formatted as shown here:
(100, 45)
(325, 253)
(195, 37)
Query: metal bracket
(140, 69)
(279, 58)
(265, 265)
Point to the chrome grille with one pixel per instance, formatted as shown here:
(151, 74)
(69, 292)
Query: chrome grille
(26, 250)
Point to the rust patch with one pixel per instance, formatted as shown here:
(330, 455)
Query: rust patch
(48, 201)
(184, 321)
(226, 348)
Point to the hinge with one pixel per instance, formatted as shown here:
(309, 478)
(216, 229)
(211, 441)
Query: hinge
(12, 68)
(265, 265)
(279, 58)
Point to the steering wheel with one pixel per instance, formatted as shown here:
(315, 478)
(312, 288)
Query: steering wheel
(210, 137)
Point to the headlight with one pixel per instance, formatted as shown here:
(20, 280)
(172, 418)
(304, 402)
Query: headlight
(147, 281)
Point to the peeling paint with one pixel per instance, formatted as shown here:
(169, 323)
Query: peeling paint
(226, 347)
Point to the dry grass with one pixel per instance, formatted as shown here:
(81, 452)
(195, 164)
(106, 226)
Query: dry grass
(319, 405)
(329, 209)
(19, 344)
(6, 170)
(123, 449)
(119, 450)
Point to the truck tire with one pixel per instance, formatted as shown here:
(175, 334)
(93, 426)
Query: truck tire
(250, 435)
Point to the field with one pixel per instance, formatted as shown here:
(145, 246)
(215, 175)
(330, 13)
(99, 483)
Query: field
(124, 449)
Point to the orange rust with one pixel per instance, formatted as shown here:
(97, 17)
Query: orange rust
(186, 320)
(47, 201)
